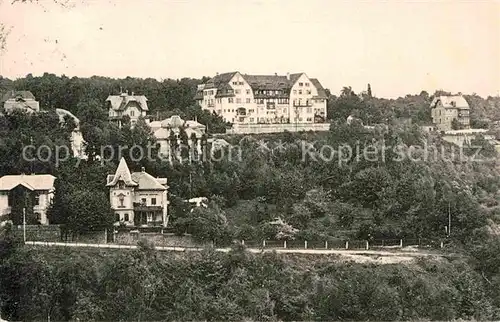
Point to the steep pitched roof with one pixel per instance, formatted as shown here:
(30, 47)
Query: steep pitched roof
(220, 80)
(122, 173)
(319, 88)
(119, 102)
(269, 82)
(451, 101)
(146, 181)
(257, 82)
(32, 181)
(295, 77)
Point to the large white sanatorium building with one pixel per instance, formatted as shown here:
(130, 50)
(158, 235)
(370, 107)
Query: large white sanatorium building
(264, 99)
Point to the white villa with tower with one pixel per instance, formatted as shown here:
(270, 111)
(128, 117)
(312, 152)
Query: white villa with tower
(138, 198)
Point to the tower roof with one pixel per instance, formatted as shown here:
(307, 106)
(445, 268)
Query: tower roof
(122, 173)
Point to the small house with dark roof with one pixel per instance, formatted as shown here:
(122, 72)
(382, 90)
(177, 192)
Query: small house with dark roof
(126, 105)
(20, 100)
(37, 191)
(137, 198)
(264, 99)
(450, 112)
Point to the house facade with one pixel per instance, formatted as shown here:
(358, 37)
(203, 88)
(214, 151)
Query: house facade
(446, 109)
(137, 198)
(38, 187)
(264, 99)
(20, 100)
(120, 106)
(162, 132)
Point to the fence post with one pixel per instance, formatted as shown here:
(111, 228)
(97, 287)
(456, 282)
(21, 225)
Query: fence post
(401, 243)
(284, 244)
(326, 244)
(264, 243)
(243, 242)
(105, 235)
(305, 244)
(367, 246)
(347, 244)
(442, 244)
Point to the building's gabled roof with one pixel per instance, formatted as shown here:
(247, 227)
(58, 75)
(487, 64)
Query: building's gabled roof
(122, 173)
(120, 102)
(295, 77)
(220, 80)
(26, 95)
(162, 133)
(257, 82)
(146, 181)
(175, 121)
(138, 180)
(30, 181)
(194, 125)
(319, 88)
(267, 82)
(450, 101)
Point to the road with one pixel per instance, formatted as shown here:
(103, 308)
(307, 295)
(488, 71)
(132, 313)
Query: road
(351, 253)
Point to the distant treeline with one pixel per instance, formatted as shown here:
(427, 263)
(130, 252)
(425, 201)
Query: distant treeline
(63, 92)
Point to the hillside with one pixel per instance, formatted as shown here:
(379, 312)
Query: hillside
(148, 285)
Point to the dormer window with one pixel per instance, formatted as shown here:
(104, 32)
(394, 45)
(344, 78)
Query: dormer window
(121, 185)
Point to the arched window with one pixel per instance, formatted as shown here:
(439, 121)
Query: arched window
(117, 217)
(126, 218)
(122, 200)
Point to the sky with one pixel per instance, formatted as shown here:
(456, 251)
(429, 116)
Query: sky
(399, 47)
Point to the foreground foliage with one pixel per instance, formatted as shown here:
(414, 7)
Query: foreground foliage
(37, 284)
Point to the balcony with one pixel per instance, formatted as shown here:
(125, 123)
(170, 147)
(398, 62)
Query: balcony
(139, 206)
(241, 111)
(302, 104)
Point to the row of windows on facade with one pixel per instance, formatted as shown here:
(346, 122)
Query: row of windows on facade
(300, 84)
(35, 200)
(463, 113)
(264, 119)
(261, 92)
(278, 110)
(126, 217)
(143, 201)
(230, 100)
(267, 119)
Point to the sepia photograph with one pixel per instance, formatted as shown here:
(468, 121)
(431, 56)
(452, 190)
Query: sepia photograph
(251, 160)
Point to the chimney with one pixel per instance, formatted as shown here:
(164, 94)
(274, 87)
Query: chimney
(217, 74)
(142, 169)
(288, 76)
(132, 93)
(275, 74)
